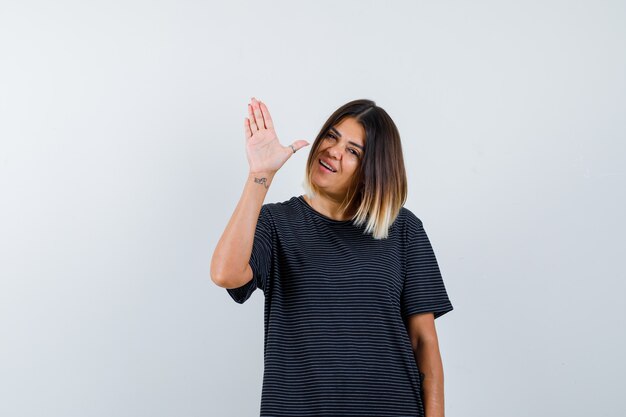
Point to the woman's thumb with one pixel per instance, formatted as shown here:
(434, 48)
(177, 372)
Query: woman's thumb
(299, 144)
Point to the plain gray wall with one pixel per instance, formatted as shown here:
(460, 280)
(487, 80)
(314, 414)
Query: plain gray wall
(122, 158)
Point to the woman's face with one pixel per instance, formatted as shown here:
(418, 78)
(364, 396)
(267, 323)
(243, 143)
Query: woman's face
(342, 150)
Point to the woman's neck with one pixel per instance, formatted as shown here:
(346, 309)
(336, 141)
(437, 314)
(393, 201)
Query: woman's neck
(327, 206)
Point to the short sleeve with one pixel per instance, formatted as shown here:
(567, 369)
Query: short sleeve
(260, 259)
(424, 290)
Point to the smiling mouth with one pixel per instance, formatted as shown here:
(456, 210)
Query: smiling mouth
(326, 166)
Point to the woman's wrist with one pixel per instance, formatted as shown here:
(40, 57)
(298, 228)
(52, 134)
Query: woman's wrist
(261, 178)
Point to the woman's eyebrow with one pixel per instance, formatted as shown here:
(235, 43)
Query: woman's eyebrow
(350, 142)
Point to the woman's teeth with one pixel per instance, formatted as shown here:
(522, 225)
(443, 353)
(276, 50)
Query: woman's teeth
(326, 166)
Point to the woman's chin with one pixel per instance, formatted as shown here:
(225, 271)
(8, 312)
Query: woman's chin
(320, 181)
(326, 187)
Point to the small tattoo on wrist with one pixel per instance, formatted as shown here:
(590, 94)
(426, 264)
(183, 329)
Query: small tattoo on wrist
(261, 181)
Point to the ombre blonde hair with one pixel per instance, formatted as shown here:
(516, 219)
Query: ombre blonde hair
(378, 189)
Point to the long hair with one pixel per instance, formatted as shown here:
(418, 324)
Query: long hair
(378, 189)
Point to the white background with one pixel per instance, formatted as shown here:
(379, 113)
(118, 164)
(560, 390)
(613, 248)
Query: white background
(122, 158)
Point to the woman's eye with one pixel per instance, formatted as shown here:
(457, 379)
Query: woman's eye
(351, 150)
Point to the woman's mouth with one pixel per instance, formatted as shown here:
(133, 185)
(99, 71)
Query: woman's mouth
(326, 167)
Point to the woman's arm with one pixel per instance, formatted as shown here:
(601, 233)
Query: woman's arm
(230, 262)
(425, 345)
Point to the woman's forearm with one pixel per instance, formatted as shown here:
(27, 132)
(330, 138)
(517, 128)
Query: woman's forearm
(229, 263)
(431, 372)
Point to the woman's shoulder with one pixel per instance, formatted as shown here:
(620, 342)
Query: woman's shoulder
(277, 206)
(280, 209)
(409, 218)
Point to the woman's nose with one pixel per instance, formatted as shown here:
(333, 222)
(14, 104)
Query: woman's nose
(335, 152)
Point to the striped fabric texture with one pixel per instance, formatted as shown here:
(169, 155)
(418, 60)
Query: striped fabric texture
(336, 307)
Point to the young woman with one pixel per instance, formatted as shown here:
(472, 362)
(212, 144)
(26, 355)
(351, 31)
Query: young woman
(351, 282)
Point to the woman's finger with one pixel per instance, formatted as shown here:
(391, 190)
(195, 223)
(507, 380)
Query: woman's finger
(257, 115)
(246, 128)
(266, 116)
(299, 144)
(253, 125)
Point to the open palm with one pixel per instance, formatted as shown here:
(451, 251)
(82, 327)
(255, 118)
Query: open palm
(264, 151)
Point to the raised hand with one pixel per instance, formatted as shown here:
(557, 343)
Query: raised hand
(263, 149)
